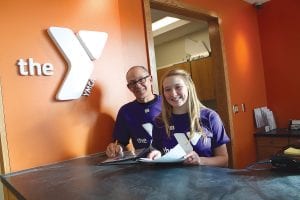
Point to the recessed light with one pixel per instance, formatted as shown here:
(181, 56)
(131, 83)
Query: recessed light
(163, 22)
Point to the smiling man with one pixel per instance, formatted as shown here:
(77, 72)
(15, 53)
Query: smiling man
(135, 119)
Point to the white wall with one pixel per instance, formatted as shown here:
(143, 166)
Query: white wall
(174, 51)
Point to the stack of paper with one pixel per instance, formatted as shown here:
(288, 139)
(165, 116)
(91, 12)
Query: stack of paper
(264, 117)
(260, 122)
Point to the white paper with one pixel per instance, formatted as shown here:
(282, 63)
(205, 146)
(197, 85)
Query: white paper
(271, 120)
(264, 117)
(260, 122)
(176, 154)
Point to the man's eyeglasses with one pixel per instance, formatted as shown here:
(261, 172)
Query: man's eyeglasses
(131, 84)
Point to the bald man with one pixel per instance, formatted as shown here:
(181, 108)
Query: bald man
(135, 119)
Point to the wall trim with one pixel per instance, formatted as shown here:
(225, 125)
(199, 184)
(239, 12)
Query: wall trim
(4, 157)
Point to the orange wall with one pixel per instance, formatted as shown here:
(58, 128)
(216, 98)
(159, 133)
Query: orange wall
(280, 39)
(243, 59)
(41, 130)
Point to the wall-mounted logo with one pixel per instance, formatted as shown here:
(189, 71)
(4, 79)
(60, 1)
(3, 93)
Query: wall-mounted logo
(31, 68)
(79, 51)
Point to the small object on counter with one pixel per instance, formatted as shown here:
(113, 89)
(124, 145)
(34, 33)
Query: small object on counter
(292, 151)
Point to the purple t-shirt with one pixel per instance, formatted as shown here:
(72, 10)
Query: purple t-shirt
(135, 121)
(213, 134)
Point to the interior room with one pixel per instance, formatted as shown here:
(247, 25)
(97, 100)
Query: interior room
(241, 55)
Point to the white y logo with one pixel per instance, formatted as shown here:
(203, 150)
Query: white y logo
(148, 127)
(79, 51)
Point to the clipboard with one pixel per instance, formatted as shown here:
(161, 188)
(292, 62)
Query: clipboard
(127, 158)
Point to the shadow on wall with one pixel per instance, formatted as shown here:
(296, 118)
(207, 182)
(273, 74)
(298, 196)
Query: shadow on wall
(100, 123)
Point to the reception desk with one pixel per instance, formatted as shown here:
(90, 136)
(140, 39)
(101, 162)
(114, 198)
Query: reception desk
(83, 179)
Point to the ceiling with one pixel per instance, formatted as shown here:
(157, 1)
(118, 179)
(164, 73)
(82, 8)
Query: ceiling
(180, 29)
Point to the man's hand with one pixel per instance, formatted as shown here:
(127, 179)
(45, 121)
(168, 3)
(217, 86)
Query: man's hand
(114, 150)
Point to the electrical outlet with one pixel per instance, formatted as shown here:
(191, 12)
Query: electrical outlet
(235, 108)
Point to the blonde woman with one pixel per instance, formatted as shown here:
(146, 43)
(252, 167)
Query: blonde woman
(183, 113)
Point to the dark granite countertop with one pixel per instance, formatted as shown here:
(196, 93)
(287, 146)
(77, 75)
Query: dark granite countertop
(82, 178)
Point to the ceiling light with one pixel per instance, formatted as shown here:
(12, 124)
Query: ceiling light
(163, 22)
(256, 2)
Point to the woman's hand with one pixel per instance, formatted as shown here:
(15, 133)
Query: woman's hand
(220, 158)
(192, 158)
(154, 154)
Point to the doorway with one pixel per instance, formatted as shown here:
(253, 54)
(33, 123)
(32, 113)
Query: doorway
(183, 43)
(216, 54)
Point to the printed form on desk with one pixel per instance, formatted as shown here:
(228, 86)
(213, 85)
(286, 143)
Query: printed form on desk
(176, 154)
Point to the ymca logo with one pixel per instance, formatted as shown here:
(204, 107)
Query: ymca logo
(79, 50)
(141, 140)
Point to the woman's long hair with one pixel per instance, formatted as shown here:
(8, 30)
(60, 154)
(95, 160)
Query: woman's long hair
(194, 105)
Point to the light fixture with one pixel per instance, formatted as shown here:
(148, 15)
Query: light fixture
(163, 22)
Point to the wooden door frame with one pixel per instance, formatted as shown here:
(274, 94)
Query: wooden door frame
(4, 162)
(221, 78)
(4, 155)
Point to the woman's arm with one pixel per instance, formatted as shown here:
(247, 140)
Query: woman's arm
(220, 158)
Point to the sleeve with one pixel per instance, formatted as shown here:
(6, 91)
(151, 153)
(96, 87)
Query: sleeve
(219, 134)
(121, 129)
